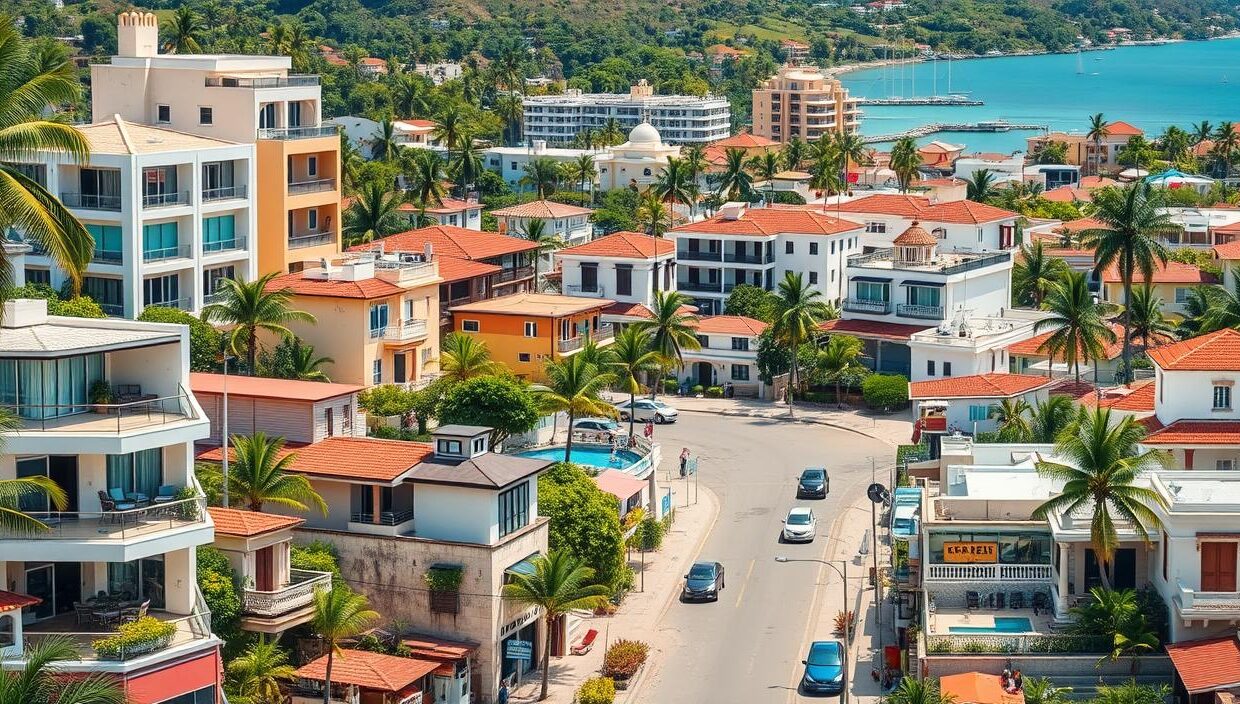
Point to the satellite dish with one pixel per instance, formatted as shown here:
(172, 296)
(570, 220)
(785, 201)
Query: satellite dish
(877, 493)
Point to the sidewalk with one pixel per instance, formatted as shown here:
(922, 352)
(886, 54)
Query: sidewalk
(896, 428)
(639, 614)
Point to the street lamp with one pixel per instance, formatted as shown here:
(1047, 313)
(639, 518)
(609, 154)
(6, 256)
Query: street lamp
(847, 621)
(224, 357)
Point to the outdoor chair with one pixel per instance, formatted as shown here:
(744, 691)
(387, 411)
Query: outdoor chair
(999, 599)
(972, 600)
(586, 643)
(166, 494)
(117, 493)
(1017, 600)
(111, 506)
(84, 613)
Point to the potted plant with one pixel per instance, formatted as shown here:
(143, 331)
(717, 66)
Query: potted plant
(146, 635)
(444, 583)
(623, 659)
(100, 396)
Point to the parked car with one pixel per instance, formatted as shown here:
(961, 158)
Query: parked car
(645, 409)
(703, 583)
(603, 426)
(813, 484)
(800, 526)
(824, 668)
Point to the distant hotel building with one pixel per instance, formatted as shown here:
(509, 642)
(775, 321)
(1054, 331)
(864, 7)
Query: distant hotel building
(681, 119)
(802, 101)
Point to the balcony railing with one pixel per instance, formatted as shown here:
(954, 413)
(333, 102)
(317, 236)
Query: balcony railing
(181, 251)
(988, 573)
(312, 186)
(521, 272)
(223, 245)
(195, 627)
(909, 310)
(165, 200)
(297, 594)
(968, 263)
(90, 201)
(705, 286)
(223, 193)
(857, 305)
(386, 518)
(104, 417)
(748, 258)
(296, 132)
(407, 331)
(311, 239)
(178, 303)
(699, 256)
(261, 82)
(595, 291)
(606, 331)
(114, 525)
(1222, 603)
(107, 256)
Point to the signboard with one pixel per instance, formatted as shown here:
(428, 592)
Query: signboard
(666, 504)
(691, 465)
(519, 650)
(970, 552)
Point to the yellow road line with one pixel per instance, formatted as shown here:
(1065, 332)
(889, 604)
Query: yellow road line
(744, 584)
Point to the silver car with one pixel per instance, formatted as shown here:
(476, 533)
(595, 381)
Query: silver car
(800, 526)
(645, 409)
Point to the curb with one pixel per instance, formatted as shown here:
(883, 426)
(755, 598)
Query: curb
(786, 419)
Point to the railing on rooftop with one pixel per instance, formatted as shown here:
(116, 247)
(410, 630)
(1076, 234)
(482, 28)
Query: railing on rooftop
(967, 262)
(104, 417)
(114, 525)
(297, 132)
(987, 573)
(261, 81)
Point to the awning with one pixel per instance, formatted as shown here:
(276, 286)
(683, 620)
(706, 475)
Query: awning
(913, 282)
(525, 568)
(978, 688)
(872, 279)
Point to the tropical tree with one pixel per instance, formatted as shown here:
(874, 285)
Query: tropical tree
(255, 676)
(259, 475)
(1100, 475)
(450, 128)
(1098, 131)
(1115, 615)
(14, 491)
(696, 162)
(795, 152)
(1174, 142)
(1202, 131)
(510, 109)
(1012, 415)
(1132, 220)
(559, 584)
(1211, 308)
(981, 186)
(1146, 316)
(851, 149)
(184, 32)
(373, 214)
(34, 83)
(675, 184)
(1226, 144)
(42, 680)
(765, 165)
(467, 161)
(799, 310)
(350, 163)
(410, 95)
(535, 230)
(824, 173)
(573, 385)
(915, 691)
(1040, 690)
(581, 170)
(1132, 693)
(541, 174)
(735, 183)
(631, 357)
(424, 170)
(654, 216)
(463, 357)
(671, 329)
(1050, 418)
(838, 361)
(1036, 273)
(1076, 319)
(904, 161)
(303, 364)
(339, 613)
(611, 133)
(252, 306)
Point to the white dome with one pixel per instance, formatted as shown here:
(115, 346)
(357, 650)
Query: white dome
(645, 133)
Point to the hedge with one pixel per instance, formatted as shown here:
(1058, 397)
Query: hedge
(885, 391)
(145, 635)
(598, 690)
(623, 658)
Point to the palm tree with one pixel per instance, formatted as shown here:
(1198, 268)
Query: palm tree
(1013, 421)
(1050, 418)
(838, 361)
(385, 146)
(696, 163)
(1098, 131)
(535, 230)
(1226, 143)
(1145, 313)
(425, 173)
(799, 309)
(42, 679)
(184, 31)
(339, 613)
(795, 152)
(1036, 273)
(259, 475)
(1132, 222)
(632, 356)
(914, 691)
(904, 161)
(559, 584)
(250, 307)
(350, 163)
(850, 149)
(676, 185)
(1077, 321)
(13, 491)
(467, 162)
(573, 386)
(1100, 476)
(373, 214)
(450, 127)
(1202, 131)
(1117, 616)
(765, 166)
(303, 365)
(671, 330)
(510, 109)
(255, 676)
(981, 186)
(581, 170)
(1211, 308)
(653, 215)
(735, 183)
(542, 174)
(35, 83)
(1040, 690)
(409, 95)
(463, 357)
(611, 133)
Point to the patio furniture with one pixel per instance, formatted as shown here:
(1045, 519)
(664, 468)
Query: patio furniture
(130, 393)
(130, 614)
(1041, 601)
(138, 498)
(85, 612)
(1017, 600)
(110, 506)
(167, 493)
(586, 643)
(999, 599)
(972, 600)
(116, 493)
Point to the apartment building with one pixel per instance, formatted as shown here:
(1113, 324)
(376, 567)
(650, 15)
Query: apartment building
(1194, 416)
(626, 267)
(1082, 151)
(802, 101)
(1170, 281)
(960, 226)
(568, 223)
(171, 214)
(246, 99)
(966, 401)
(728, 355)
(682, 119)
(510, 162)
(744, 245)
(123, 546)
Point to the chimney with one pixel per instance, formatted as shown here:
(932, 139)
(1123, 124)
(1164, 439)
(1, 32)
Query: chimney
(428, 251)
(137, 34)
(732, 210)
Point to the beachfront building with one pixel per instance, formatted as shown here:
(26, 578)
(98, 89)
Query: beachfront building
(626, 267)
(805, 102)
(1171, 282)
(728, 355)
(525, 331)
(1084, 152)
(960, 226)
(374, 315)
(244, 99)
(124, 546)
(745, 245)
(967, 402)
(1203, 227)
(683, 119)
(172, 214)
(1194, 416)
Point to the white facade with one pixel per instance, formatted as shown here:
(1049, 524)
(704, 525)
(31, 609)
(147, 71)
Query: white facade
(363, 132)
(981, 349)
(645, 276)
(683, 119)
(929, 293)
(882, 228)
(638, 162)
(509, 162)
(725, 358)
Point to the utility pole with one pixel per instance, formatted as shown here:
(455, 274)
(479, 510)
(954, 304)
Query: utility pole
(878, 583)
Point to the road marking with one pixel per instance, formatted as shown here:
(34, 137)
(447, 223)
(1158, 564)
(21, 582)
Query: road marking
(744, 584)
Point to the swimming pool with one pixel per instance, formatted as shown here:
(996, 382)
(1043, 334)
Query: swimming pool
(1002, 625)
(588, 455)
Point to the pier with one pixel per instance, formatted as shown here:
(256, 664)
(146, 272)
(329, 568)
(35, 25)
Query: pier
(925, 130)
(929, 100)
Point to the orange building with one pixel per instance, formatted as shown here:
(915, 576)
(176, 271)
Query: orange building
(802, 101)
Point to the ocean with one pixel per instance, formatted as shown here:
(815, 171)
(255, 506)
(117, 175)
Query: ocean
(1150, 87)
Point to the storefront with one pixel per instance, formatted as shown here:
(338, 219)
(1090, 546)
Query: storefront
(1012, 547)
(519, 648)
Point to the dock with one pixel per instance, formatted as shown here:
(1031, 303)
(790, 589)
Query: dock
(925, 130)
(942, 100)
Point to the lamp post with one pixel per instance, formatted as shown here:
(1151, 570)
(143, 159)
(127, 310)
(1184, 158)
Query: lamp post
(844, 599)
(224, 429)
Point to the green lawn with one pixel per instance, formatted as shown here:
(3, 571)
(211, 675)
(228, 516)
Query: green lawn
(772, 28)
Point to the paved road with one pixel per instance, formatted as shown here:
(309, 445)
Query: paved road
(748, 646)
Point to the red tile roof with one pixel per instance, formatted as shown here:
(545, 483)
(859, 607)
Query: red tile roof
(885, 204)
(1212, 352)
(419, 124)
(11, 601)
(386, 673)
(1072, 389)
(1067, 194)
(965, 211)
(872, 329)
(359, 458)
(449, 205)
(1231, 250)
(453, 269)
(451, 241)
(247, 524)
(424, 646)
(1138, 399)
(624, 245)
(1169, 273)
(1123, 129)
(772, 221)
(1092, 182)
(371, 61)
(639, 310)
(262, 387)
(915, 235)
(1032, 347)
(541, 209)
(978, 386)
(1196, 432)
(1206, 665)
(364, 289)
(730, 325)
(1081, 224)
(745, 140)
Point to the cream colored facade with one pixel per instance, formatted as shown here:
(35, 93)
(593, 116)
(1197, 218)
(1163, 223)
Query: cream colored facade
(638, 162)
(802, 101)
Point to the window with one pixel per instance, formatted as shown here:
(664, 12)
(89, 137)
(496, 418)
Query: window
(1181, 294)
(514, 509)
(879, 228)
(206, 695)
(523, 356)
(813, 277)
(312, 166)
(873, 291)
(294, 114)
(1222, 398)
(48, 388)
(1224, 465)
(219, 233)
(331, 421)
(107, 241)
(141, 472)
(312, 219)
(813, 248)
(378, 319)
(159, 240)
(947, 368)
(204, 116)
(740, 343)
(531, 328)
(789, 248)
(39, 276)
(267, 116)
(978, 412)
(470, 326)
(163, 113)
(162, 291)
(929, 367)
(408, 309)
(108, 293)
(211, 278)
(624, 279)
(740, 372)
(589, 278)
(449, 447)
(376, 371)
(927, 296)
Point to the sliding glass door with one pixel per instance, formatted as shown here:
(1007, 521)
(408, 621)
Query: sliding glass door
(139, 472)
(49, 388)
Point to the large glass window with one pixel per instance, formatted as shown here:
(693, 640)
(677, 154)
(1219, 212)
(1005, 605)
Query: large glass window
(140, 579)
(108, 293)
(159, 240)
(922, 296)
(1015, 547)
(872, 291)
(162, 291)
(107, 241)
(139, 472)
(378, 318)
(48, 388)
(514, 509)
(219, 233)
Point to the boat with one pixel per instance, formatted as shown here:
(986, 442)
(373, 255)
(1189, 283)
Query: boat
(906, 513)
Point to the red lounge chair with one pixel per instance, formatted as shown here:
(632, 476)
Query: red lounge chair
(586, 643)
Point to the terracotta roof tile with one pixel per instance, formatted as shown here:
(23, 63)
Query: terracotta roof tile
(1205, 665)
(1212, 352)
(11, 601)
(1124, 129)
(745, 140)
(1169, 273)
(386, 673)
(541, 209)
(424, 646)
(1081, 224)
(364, 289)
(449, 205)
(418, 124)
(1231, 250)
(872, 329)
(1071, 388)
(978, 386)
(885, 204)
(451, 241)
(772, 221)
(915, 235)
(262, 387)
(640, 310)
(624, 245)
(1138, 399)
(1092, 182)
(359, 458)
(1196, 432)
(965, 211)
(730, 325)
(247, 524)
(454, 269)
(1067, 194)
(1032, 347)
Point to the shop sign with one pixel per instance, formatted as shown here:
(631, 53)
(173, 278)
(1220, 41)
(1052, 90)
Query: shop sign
(519, 650)
(520, 621)
(970, 552)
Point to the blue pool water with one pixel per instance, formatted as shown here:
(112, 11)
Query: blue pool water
(589, 456)
(1002, 625)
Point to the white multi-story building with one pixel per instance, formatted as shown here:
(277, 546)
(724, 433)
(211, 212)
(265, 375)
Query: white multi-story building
(1195, 416)
(510, 162)
(961, 226)
(171, 214)
(682, 119)
(625, 267)
(727, 357)
(123, 544)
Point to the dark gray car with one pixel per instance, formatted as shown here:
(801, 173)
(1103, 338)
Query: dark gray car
(813, 484)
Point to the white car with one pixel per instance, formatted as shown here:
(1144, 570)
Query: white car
(800, 526)
(645, 409)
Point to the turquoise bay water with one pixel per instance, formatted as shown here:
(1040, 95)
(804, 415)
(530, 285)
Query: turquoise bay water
(1002, 625)
(588, 456)
(1149, 86)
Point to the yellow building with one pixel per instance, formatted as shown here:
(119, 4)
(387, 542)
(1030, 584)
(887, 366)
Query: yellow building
(524, 331)
(376, 317)
(1170, 282)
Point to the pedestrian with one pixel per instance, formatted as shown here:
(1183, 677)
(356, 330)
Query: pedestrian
(649, 432)
(1018, 682)
(503, 693)
(684, 461)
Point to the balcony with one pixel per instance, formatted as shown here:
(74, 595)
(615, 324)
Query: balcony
(605, 331)
(297, 594)
(190, 629)
(107, 256)
(412, 330)
(103, 418)
(313, 186)
(1197, 604)
(595, 291)
(699, 256)
(181, 251)
(988, 573)
(289, 133)
(909, 310)
(703, 286)
(229, 245)
(115, 525)
(211, 195)
(186, 304)
(261, 82)
(165, 200)
(91, 201)
(311, 239)
(944, 264)
(516, 274)
(856, 305)
(735, 258)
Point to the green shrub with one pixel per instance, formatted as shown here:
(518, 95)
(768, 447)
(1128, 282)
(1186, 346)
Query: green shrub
(670, 386)
(319, 556)
(444, 578)
(597, 690)
(787, 198)
(623, 658)
(387, 432)
(714, 392)
(205, 341)
(145, 635)
(649, 534)
(885, 391)
(698, 388)
(815, 396)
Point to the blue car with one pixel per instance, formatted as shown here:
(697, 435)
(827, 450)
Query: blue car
(824, 668)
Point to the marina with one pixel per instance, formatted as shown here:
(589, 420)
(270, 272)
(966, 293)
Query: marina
(927, 100)
(934, 127)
